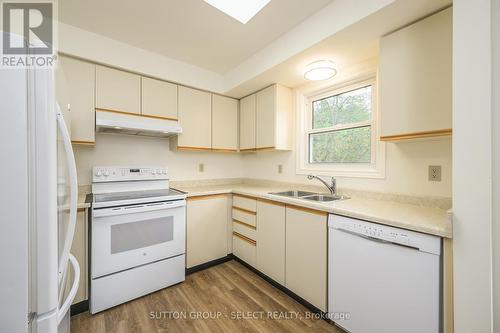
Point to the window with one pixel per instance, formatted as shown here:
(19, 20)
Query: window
(341, 128)
(339, 132)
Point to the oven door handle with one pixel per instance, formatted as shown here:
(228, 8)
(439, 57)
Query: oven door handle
(140, 208)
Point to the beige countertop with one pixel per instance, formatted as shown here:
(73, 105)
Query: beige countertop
(430, 220)
(82, 201)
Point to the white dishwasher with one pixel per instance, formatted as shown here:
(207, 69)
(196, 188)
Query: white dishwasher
(383, 279)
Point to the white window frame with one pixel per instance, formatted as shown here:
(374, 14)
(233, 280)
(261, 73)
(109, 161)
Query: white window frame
(374, 169)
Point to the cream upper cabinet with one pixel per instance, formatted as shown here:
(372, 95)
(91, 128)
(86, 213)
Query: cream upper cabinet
(265, 118)
(273, 118)
(306, 255)
(207, 224)
(79, 89)
(271, 240)
(247, 123)
(195, 117)
(159, 99)
(117, 90)
(415, 79)
(224, 123)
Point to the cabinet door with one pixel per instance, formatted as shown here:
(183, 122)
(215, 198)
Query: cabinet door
(207, 223)
(245, 248)
(224, 123)
(306, 255)
(79, 250)
(247, 123)
(195, 117)
(80, 89)
(415, 78)
(265, 118)
(447, 285)
(271, 240)
(117, 90)
(159, 99)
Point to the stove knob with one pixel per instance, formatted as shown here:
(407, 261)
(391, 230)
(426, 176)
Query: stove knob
(164, 172)
(158, 172)
(98, 173)
(106, 173)
(153, 172)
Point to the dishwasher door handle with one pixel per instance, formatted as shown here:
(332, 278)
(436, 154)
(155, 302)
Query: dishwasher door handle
(378, 240)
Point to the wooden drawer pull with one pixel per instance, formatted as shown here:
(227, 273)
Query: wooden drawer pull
(245, 210)
(245, 224)
(244, 238)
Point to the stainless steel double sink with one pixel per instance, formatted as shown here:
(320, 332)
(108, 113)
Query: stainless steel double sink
(312, 196)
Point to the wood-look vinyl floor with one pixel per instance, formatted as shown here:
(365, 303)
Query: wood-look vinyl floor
(236, 299)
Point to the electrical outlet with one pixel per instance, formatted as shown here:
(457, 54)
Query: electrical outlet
(201, 167)
(434, 173)
(280, 168)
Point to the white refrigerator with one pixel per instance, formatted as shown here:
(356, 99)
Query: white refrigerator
(38, 198)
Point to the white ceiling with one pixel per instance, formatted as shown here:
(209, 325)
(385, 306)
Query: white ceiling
(353, 49)
(191, 31)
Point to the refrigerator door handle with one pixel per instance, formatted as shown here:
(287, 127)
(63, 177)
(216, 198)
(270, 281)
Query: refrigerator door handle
(63, 309)
(63, 264)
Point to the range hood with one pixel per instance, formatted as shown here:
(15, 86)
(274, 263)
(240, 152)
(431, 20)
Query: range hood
(116, 122)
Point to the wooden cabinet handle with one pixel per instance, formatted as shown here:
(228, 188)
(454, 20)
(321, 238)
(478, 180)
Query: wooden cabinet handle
(244, 238)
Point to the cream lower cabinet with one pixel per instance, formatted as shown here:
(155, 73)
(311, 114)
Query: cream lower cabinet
(207, 223)
(244, 215)
(447, 285)
(271, 239)
(79, 250)
(306, 255)
(245, 248)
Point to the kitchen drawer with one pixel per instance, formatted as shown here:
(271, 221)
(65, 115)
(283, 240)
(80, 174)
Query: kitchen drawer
(245, 203)
(245, 249)
(245, 217)
(245, 230)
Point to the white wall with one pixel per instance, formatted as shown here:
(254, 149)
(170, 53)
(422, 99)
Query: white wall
(496, 164)
(472, 165)
(116, 149)
(406, 169)
(97, 48)
(406, 162)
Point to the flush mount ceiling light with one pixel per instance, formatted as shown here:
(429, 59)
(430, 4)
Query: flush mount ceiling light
(320, 70)
(241, 10)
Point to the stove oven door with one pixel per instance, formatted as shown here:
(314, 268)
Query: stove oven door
(130, 236)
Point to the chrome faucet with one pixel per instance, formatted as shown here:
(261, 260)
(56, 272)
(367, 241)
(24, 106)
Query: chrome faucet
(332, 188)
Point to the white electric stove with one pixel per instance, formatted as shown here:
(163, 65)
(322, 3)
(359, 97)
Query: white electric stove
(137, 232)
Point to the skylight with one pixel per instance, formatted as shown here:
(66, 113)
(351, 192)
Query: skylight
(241, 10)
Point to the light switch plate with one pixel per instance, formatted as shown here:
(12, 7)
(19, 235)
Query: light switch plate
(434, 173)
(201, 167)
(280, 168)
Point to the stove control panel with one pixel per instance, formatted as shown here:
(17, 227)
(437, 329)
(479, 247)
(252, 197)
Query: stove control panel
(116, 174)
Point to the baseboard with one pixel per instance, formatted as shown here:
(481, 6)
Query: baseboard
(209, 264)
(79, 307)
(284, 289)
